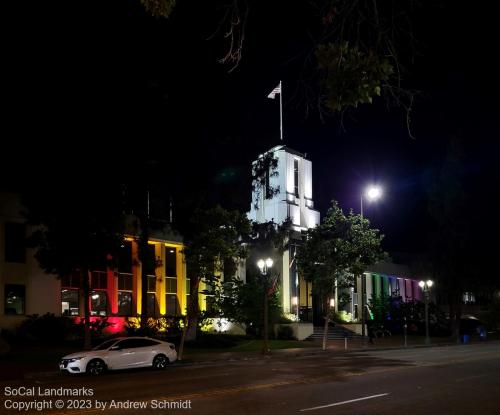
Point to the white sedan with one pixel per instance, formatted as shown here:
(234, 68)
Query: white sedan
(121, 353)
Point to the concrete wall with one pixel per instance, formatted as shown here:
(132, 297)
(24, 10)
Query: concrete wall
(301, 331)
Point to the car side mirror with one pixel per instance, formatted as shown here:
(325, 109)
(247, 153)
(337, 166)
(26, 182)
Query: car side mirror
(115, 348)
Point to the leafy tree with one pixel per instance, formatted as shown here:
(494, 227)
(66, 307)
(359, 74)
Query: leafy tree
(212, 247)
(450, 242)
(380, 306)
(361, 48)
(78, 229)
(241, 302)
(335, 251)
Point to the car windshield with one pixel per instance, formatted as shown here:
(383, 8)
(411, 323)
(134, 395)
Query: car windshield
(105, 345)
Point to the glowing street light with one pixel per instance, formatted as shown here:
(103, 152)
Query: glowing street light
(426, 285)
(371, 193)
(264, 266)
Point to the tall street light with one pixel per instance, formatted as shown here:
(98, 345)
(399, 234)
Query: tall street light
(264, 266)
(371, 193)
(426, 286)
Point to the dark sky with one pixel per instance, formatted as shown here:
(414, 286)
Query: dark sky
(99, 89)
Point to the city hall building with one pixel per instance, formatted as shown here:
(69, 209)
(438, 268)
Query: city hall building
(25, 289)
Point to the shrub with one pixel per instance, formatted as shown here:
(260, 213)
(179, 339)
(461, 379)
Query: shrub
(285, 333)
(167, 326)
(49, 328)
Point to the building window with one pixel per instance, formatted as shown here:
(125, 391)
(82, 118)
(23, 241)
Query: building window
(209, 303)
(171, 262)
(125, 288)
(172, 305)
(15, 299)
(296, 177)
(149, 263)
(70, 302)
(15, 242)
(171, 287)
(125, 257)
(269, 193)
(151, 284)
(98, 303)
(152, 308)
(71, 281)
(171, 296)
(469, 298)
(99, 280)
(124, 303)
(188, 292)
(125, 282)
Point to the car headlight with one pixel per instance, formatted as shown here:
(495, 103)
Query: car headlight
(74, 359)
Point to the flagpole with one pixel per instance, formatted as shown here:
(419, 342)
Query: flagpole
(281, 112)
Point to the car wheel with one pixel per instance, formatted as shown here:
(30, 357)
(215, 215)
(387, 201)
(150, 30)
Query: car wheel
(96, 367)
(160, 362)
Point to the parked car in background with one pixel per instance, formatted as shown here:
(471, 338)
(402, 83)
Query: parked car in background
(120, 353)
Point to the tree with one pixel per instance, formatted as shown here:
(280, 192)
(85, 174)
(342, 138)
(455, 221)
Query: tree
(336, 251)
(213, 244)
(78, 229)
(356, 50)
(241, 302)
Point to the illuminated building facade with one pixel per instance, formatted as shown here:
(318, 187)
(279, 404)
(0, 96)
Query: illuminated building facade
(291, 199)
(25, 289)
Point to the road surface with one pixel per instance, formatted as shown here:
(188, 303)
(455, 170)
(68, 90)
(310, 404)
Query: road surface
(437, 380)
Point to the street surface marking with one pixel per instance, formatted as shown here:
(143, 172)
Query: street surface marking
(344, 402)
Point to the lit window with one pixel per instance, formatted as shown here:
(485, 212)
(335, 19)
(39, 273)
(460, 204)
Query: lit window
(172, 305)
(70, 302)
(15, 299)
(171, 262)
(125, 287)
(98, 303)
(124, 303)
(296, 177)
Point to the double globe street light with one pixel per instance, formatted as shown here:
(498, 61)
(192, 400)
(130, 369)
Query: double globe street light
(426, 286)
(264, 266)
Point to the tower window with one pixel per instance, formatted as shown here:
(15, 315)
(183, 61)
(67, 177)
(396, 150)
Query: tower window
(296, 177)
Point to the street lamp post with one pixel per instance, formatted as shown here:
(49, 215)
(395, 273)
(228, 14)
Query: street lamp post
(264, 266)
(371, 193)
(295, 303)
(426, 285)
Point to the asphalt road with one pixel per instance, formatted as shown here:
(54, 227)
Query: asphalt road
(437, 380)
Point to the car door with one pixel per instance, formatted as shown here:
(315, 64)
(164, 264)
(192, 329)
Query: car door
(123, 354)
(143, 351)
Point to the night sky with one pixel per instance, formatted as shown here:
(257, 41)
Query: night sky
(97, 90)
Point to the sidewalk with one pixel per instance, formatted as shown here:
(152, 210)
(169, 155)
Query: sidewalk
(353, 345)
(28, 364)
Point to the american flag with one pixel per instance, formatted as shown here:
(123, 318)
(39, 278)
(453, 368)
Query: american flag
(275, 91)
